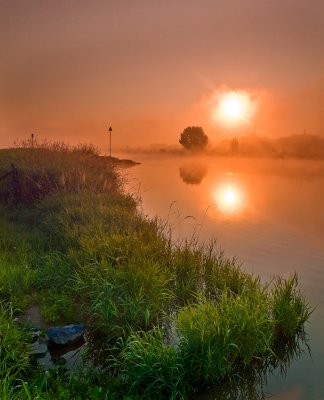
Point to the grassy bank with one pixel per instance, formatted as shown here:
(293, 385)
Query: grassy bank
(171, 318)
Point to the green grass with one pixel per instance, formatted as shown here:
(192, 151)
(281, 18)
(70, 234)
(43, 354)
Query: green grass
(154, 369)
(171, 318)
(219, 336)
(290, 309)
(14, 361)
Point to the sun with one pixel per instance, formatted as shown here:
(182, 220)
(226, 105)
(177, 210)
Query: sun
(233, 108)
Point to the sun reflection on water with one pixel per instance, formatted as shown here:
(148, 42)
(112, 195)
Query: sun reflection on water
(229, 197)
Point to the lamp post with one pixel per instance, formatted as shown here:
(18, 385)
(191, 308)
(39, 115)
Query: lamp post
(110, 130)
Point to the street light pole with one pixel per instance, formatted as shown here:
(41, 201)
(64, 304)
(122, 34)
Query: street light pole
(110, 130)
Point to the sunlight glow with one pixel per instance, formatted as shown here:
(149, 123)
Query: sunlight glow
(229, 198)
(233, 108)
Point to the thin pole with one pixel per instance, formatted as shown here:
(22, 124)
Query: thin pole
(110, 130)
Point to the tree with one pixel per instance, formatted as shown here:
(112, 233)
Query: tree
(194, 138)
(234, 145)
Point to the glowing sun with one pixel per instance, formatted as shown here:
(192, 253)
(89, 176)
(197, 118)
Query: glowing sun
(233, 108)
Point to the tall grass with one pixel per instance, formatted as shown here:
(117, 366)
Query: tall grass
(37, 143)
(54, 167)
(290, 308)
(14, 360)
(219, 336)
(154, 369)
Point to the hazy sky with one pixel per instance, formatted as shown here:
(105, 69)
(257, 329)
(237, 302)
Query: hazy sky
(69, 69)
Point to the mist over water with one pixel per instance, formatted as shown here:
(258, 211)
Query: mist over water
(267, 213)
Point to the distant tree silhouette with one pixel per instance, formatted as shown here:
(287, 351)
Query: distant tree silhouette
(234, 145)
(194, 138)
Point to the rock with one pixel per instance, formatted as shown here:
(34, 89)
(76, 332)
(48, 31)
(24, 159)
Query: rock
(32, 318)
(36, 335)
(46, 362)
(64, 335)
(37, 349)
(74, 359)
(59, 361)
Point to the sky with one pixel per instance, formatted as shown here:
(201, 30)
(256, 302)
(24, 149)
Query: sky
(149, 68)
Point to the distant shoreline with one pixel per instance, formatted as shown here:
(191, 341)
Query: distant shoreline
(121, 162)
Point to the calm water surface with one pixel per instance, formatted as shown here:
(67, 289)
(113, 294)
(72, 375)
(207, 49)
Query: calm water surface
(267, 213)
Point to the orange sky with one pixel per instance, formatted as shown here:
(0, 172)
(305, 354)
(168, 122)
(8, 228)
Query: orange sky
(149, 68)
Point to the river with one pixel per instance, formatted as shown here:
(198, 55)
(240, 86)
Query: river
(269, 214)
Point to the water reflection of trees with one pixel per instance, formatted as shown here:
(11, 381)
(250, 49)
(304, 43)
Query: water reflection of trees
(249, 383)
(193, 173)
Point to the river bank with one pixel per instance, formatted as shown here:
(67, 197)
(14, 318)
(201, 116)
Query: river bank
(172, 318)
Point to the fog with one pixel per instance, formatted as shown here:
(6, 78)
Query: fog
(148, 69)
(244, 190)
